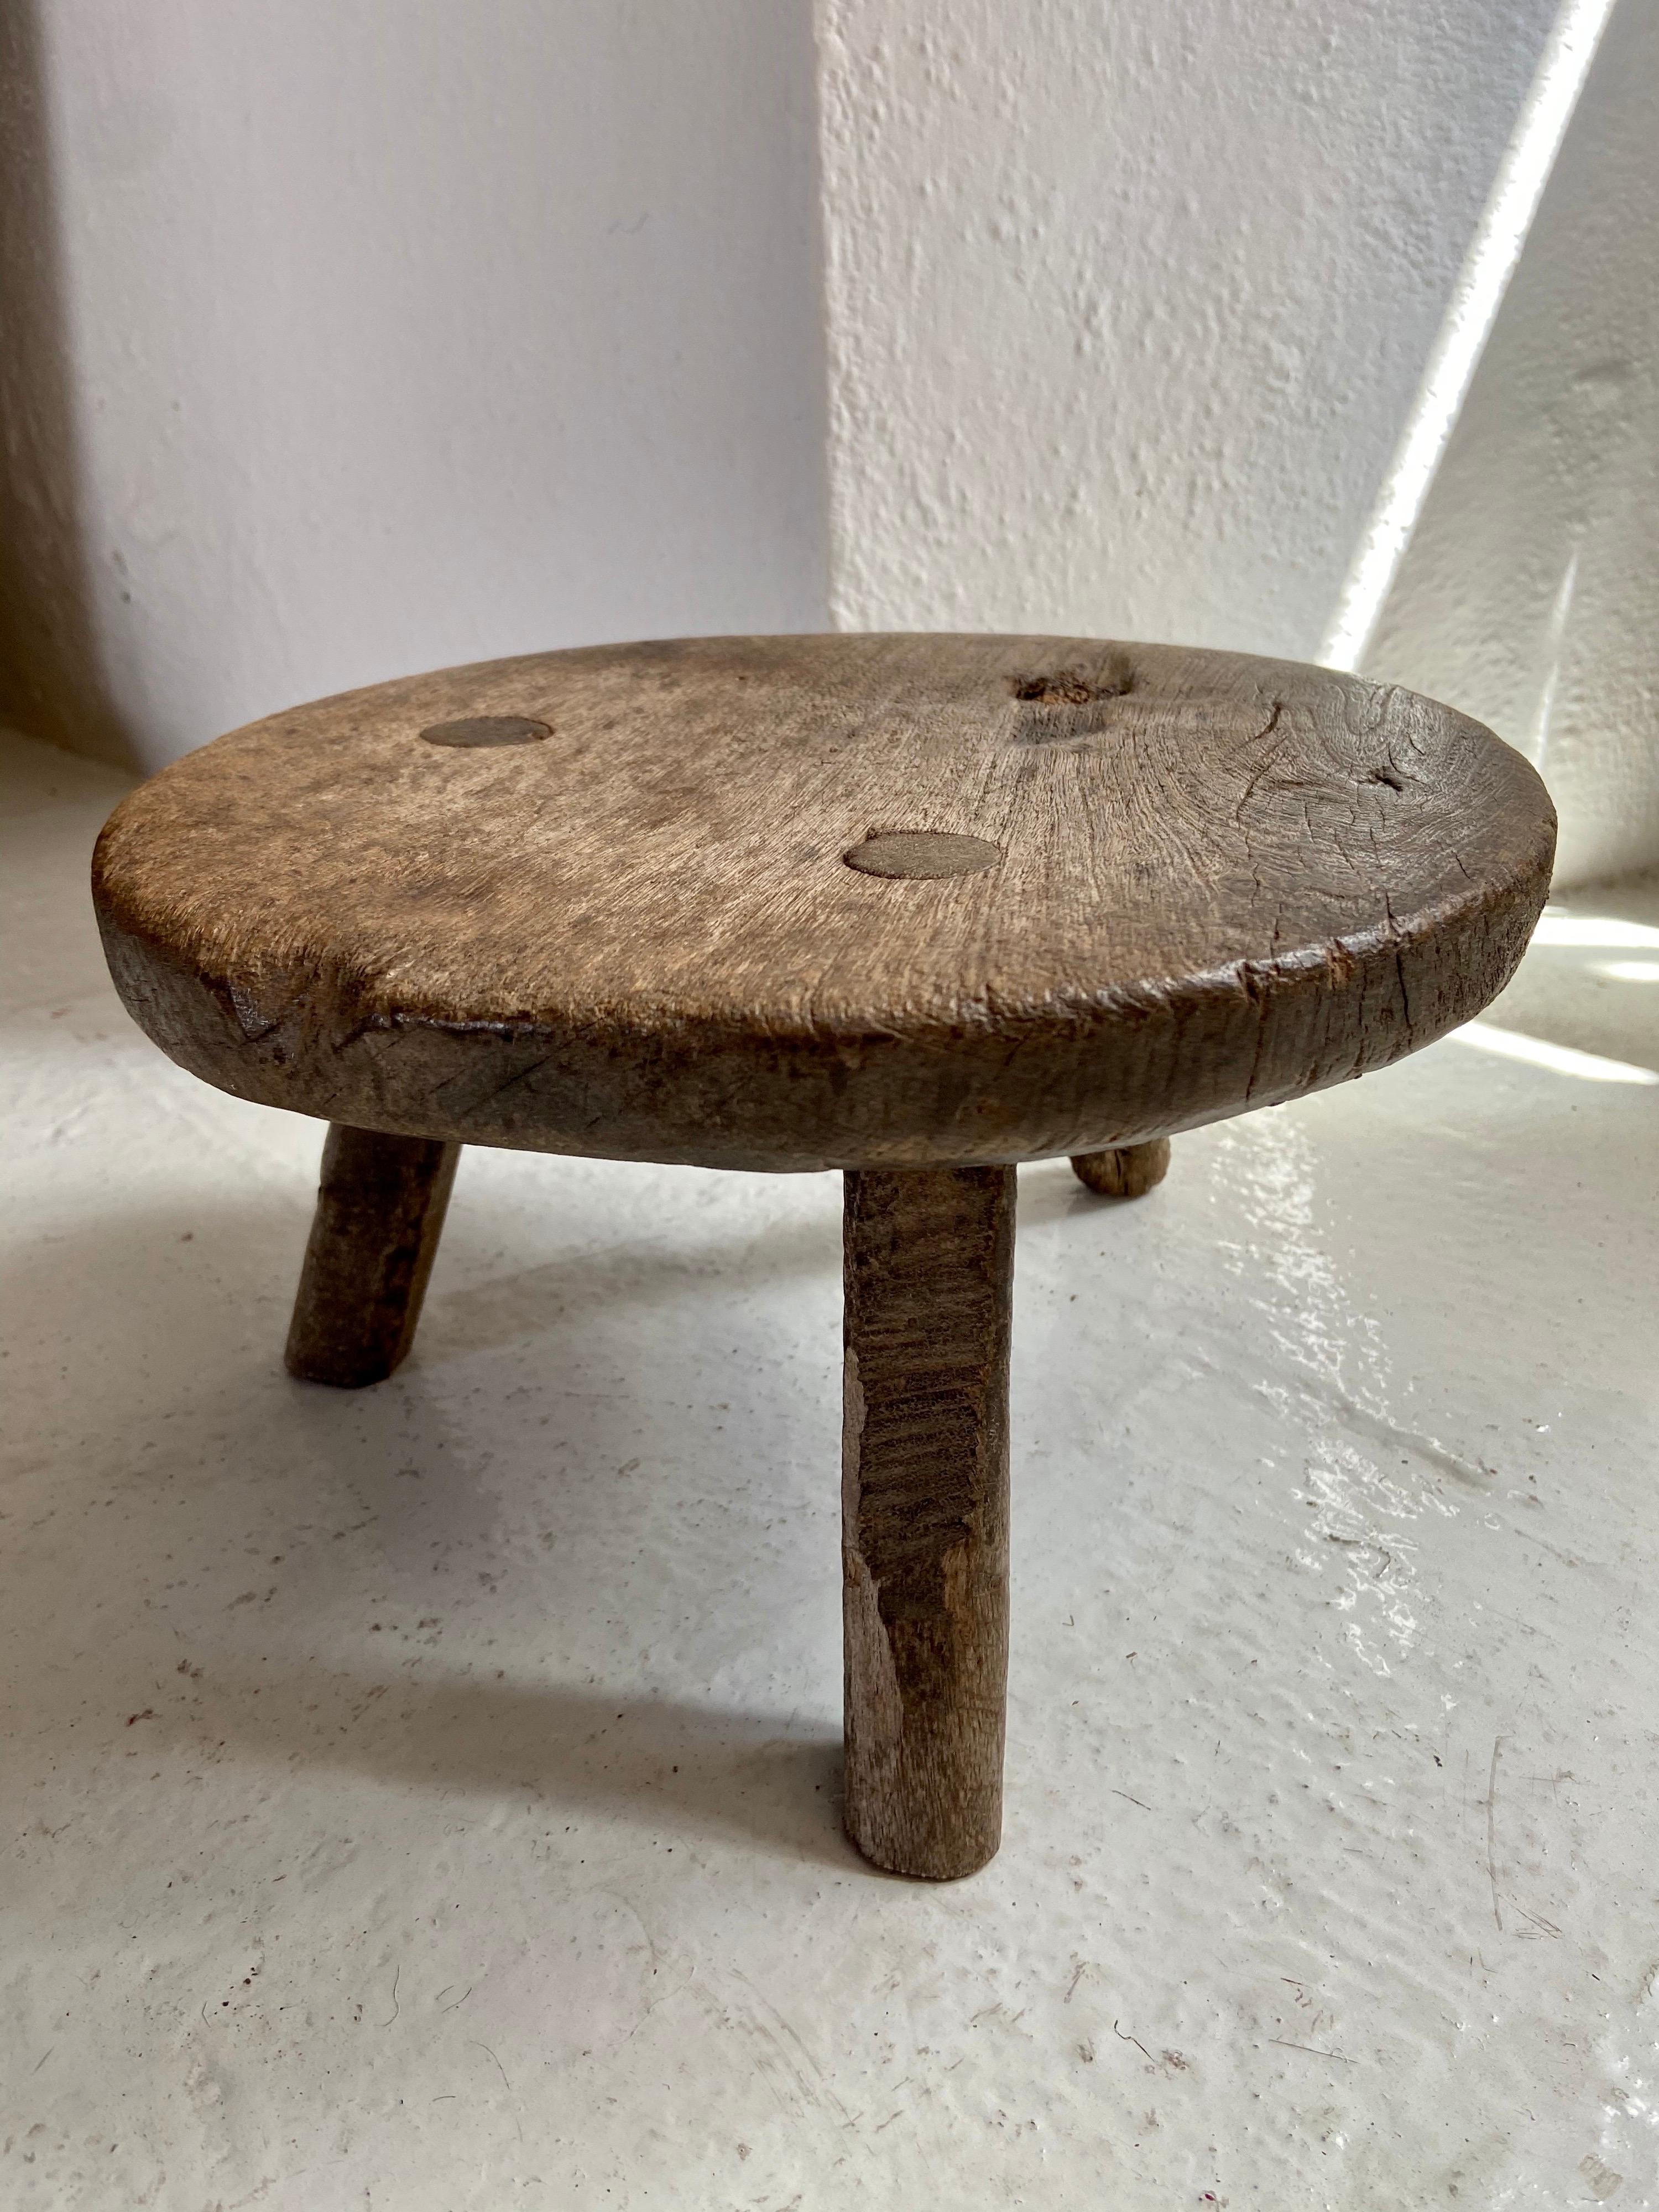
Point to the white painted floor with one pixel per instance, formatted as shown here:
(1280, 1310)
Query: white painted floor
(426, 1800)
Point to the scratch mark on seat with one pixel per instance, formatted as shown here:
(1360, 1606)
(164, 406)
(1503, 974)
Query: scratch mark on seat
(1266, 730)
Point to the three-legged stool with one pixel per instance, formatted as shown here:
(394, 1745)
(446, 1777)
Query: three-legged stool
(915, 907)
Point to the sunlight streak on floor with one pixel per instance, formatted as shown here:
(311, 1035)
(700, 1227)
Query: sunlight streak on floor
(1559, 1059)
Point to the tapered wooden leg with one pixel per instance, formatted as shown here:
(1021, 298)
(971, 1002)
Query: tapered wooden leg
(929, 1257)
(379, 1213)
(1130, 1171)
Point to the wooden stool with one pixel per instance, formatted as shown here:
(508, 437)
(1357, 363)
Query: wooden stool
(915, 907)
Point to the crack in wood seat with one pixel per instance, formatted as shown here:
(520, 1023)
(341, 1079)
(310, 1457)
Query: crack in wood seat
(919, 907)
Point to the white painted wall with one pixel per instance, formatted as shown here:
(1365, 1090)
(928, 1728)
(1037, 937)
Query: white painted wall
(1129, 304)
(354, 336)
(1531, 589)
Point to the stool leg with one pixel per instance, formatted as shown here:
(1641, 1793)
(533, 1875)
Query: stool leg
(1130, 1171)
(380, 1212)
(929, 1257)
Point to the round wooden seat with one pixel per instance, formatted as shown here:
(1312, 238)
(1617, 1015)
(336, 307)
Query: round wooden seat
(918, 908)
(800, 903)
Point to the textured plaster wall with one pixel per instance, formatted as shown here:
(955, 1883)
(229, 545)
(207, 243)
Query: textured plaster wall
(1529, 590)
(352, 336)
(1128, 305)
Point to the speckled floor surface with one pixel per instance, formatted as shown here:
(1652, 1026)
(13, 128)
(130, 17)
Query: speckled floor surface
(426, 1800)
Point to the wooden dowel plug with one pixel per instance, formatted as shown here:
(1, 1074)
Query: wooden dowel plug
(379, 1213)
(929, 1257)
(1130, 1171)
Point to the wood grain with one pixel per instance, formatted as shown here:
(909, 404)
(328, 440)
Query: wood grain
(379, 1214)
(1223, 881)
(1127, 1171)
(928, 1283)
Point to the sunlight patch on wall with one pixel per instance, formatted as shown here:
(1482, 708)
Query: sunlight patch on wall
(1501, 234)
